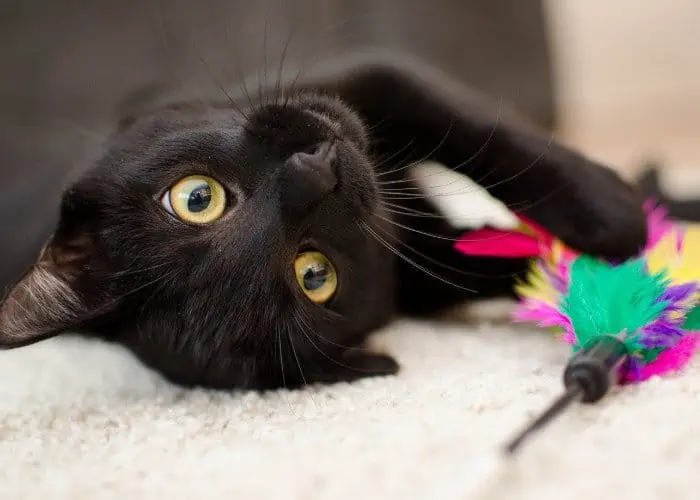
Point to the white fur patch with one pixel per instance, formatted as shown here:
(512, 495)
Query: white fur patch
(466, 204)
(681, 182)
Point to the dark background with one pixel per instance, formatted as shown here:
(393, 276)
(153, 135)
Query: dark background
(69, 68)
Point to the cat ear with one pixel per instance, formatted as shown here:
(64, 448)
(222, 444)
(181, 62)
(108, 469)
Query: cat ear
(46, 301)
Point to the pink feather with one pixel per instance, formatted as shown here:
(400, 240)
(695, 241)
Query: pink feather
(673, 359)
(489, 242)
(658, 223)
(545, 316)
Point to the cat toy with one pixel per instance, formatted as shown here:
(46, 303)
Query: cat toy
(624, 321)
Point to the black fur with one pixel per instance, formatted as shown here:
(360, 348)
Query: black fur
(686, 210)
(219, 306)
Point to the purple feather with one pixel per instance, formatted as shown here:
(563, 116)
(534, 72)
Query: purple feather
(558, 278)
(635, 369)
(661, 334)
(678, 294)
(666, 331)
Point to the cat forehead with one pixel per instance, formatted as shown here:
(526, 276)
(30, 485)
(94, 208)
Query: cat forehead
(172, 122)
(199, 113)
(197, 125)
(157, 150)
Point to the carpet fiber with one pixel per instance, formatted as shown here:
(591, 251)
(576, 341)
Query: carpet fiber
(84, 420)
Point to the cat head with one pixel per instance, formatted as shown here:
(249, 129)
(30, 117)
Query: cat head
(223, 246)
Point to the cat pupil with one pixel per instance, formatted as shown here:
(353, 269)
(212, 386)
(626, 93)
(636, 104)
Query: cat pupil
(315, 277)
(199, 198)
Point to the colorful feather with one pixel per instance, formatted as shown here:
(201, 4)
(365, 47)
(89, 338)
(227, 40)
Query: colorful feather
(652, 302)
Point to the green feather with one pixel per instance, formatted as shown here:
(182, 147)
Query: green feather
(649, 355)
(692, 320)
(605, 299)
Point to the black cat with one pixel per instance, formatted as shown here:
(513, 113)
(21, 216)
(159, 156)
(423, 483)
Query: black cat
(257, 243)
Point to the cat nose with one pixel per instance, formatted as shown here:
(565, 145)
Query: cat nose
(309, 176)
(317, 162)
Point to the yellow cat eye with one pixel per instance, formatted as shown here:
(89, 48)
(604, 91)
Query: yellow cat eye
(316, 276)
(196, 199)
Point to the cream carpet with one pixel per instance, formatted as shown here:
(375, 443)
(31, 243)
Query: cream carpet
(84, 420)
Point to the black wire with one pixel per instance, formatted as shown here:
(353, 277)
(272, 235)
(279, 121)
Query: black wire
(588, 377)
(573, 394)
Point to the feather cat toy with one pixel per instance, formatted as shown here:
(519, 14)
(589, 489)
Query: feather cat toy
(625, 321)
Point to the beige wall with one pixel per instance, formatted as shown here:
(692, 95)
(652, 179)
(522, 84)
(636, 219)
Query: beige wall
(628, 74)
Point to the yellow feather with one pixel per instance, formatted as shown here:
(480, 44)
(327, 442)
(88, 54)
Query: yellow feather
(682, 266)
(538, 285)
(677, 254)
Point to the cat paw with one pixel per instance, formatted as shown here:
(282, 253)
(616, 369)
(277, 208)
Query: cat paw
(599, 214)
(611, 222)
(356, 364)
(371, 364)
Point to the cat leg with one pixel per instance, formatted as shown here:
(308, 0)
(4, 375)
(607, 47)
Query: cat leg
(418, 111)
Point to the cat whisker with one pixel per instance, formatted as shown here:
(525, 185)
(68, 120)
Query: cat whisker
(513, 207)
(407, 190)
(523, 206)
(424, 158)
(157, 288)
(375, 126)
(402, 194)
(335, 29)
(155, 281)
(175, 68)
(399, 212)
(424, 233)
(292, 85)
(302, 318)
(306, 329)
(415, 188)
(399, 195)
(132, 272)
(398, 253)
(445, 266)
(433, 235)
(194, 46)
(481, 149)
(406, 211)
(262, 82)
(411, 180)
(280, 68)
(393, 156)
(105, 307)
(221, 87)
(284, 377)
(410, 191)
(396, 181)
(520, 172)
(410, 212)
(301, 370)
(239, 74)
